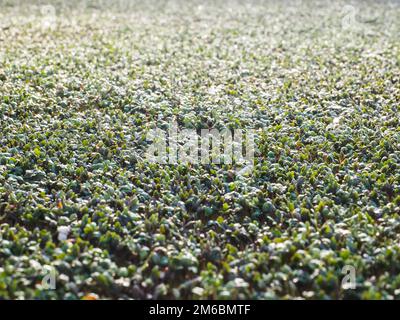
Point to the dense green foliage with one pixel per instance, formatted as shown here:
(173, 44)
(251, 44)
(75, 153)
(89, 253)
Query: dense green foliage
(79, 92)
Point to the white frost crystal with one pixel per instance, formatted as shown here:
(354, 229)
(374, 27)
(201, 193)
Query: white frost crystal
(63, 232)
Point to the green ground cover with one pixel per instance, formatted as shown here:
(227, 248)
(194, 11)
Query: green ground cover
(80, 87)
